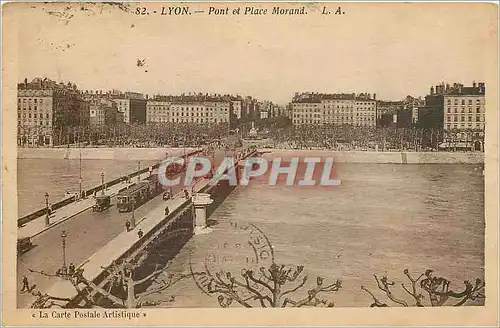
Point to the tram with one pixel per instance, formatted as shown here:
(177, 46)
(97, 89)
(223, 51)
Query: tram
(138, 194)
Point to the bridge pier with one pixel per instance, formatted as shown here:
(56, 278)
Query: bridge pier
(200, 203)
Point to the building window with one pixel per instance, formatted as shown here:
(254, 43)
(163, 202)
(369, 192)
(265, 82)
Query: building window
(463, 101)
(478, 118)
(456, 111)
(478, 110)
(470, 118)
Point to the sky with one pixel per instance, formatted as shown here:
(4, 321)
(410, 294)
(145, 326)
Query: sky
(389, 49)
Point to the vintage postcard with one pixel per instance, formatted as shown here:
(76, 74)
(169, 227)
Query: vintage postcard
(173, 164)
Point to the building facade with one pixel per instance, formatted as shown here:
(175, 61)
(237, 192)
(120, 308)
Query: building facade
(336, 109)
(123, 106)
(132, 105)
(46, 110)
(97, 113)
(454, 107)
(237, 108)
(158, 110)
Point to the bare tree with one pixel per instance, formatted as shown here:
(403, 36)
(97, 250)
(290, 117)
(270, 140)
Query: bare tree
(268, 288)
(121, 291)
(437, 289)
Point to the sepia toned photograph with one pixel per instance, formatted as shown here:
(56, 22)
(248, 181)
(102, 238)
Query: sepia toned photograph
(215, 157)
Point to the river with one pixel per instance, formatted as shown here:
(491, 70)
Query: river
(380, 220)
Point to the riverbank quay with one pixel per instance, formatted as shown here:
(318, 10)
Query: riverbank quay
(380, 157)
(101, 153)
(352, 156)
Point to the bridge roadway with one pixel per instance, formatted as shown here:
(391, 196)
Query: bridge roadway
(87, 233)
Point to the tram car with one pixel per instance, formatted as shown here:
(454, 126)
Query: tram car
(138, 194)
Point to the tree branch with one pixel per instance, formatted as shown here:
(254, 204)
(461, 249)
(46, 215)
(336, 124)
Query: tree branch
(383, 285)
(304, 280)
(376, 302)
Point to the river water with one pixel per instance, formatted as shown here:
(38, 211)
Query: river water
(35, 177)
(380, 220)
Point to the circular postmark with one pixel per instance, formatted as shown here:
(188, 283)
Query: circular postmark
(235, 264)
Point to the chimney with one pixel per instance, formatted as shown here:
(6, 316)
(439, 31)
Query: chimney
(473, 84)
(432, 90)
(374, 96)
(26, 83)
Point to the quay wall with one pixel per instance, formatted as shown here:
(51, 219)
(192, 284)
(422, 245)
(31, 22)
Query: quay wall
(382, 157)
(362, 157)
(99, 153)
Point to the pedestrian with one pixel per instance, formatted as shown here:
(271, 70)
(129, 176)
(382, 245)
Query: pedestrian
(26, 285)
(50, 209)
(167, 211)
(71, 269)
(127, 225)
(140, 233)
(186, 193)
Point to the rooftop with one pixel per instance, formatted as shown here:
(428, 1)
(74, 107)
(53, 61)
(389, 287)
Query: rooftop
(318, 97)
(457, 89)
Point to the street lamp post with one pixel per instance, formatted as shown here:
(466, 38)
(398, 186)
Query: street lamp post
(80, 180)
(63, 237)
(138, 169)
(102, 182)
(47, 219)
(132, 221)
(80, 176)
